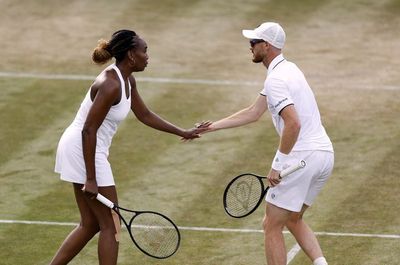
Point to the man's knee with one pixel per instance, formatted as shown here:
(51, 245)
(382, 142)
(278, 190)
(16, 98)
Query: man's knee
(294, 220)
(275, 218)
(271, 224)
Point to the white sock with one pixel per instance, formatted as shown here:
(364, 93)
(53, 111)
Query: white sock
(320, 261)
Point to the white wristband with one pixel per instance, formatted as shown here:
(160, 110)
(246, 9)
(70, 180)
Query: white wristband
(280, 160)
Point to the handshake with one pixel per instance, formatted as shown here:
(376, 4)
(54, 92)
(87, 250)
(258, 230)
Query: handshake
(198, 129)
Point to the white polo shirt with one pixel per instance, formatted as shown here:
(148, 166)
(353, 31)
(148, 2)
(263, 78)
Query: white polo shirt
(286, 85)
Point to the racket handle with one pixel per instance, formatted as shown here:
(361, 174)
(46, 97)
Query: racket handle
(293, 168)
(104, 201)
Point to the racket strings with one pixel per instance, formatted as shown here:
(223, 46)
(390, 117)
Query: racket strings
(243, 195)
(155, 234)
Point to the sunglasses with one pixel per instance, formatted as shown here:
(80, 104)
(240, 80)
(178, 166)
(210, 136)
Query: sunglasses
(255, 41)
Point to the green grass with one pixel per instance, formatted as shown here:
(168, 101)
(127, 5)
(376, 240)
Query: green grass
(347, 49)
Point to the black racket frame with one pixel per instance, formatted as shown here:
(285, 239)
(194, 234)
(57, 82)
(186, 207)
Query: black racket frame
(117, 209)
(263, 192)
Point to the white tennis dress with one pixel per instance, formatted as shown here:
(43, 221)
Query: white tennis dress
(69, 159)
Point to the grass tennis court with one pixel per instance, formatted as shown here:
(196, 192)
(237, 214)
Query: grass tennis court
(200, 68)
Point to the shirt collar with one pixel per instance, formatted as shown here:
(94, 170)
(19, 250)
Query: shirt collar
(278, 59)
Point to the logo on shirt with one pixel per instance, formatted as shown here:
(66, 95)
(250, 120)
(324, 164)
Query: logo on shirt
(280, 102)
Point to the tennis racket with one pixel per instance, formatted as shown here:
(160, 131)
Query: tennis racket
(153, 233)
(245, 192)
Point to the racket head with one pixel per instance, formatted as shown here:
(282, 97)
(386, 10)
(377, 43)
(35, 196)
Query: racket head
(154, 234)
(243, 195)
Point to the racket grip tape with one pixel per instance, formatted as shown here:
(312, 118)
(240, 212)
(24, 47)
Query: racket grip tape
(293, 168)
(104, 201)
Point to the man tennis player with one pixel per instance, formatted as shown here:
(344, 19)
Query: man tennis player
(297, 120)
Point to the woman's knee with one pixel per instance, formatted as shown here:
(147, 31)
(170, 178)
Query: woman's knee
(109, 221)
(91, 226)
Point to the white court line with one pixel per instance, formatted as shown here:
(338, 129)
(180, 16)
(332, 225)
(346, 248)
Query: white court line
(36, 222)
(292, 253)
(139, 79)
(175, 80)
(211, 229)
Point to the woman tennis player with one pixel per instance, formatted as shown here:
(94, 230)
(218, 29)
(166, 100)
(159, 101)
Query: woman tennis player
(83, 148)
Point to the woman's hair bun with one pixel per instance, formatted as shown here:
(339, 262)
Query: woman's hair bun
(101, 53)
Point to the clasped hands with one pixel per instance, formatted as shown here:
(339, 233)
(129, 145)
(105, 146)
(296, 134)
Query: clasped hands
(196, 131)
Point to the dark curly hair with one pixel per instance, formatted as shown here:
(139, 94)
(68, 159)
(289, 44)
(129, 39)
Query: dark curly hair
(120, 43)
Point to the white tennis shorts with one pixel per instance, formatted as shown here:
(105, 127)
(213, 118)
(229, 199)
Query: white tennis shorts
(302, 186)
